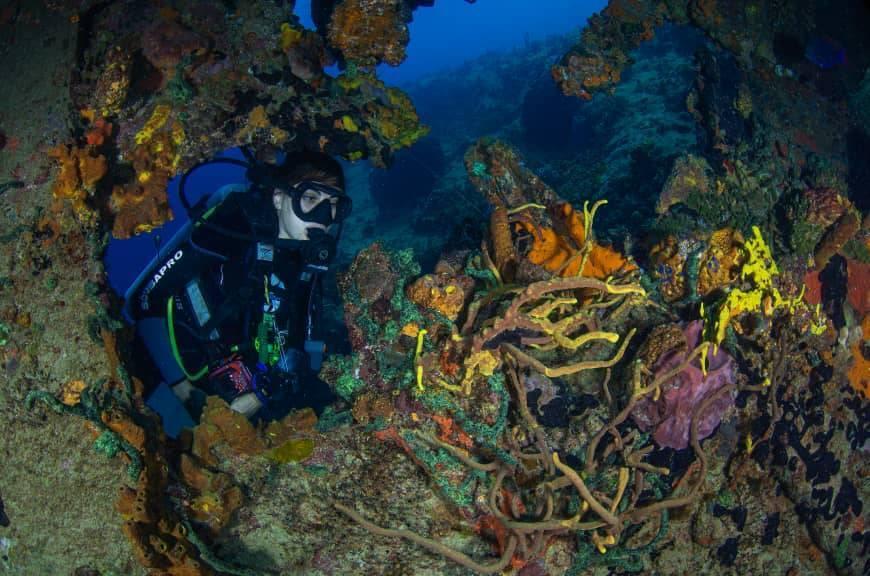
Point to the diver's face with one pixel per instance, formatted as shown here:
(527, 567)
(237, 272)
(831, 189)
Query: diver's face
(290, 225)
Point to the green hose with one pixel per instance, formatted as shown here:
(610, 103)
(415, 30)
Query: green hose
(171, 325)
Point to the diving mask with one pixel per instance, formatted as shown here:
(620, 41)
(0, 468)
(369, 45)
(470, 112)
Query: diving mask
(319, 203)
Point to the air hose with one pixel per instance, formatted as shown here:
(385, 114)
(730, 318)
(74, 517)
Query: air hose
(170, 321)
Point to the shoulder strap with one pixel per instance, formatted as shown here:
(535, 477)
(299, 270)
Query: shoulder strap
(315, 347)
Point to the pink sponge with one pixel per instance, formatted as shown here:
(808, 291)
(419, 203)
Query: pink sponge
(670, 417)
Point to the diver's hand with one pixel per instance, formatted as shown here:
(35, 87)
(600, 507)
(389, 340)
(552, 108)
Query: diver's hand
(247, 404)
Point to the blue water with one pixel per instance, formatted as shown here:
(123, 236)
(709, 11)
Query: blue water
(453, 31)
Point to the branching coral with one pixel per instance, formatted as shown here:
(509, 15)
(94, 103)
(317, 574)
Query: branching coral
(531, 312)
(525, 515)
(471, 428)
(468, 423)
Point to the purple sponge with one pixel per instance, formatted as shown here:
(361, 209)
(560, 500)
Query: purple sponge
(670, 417)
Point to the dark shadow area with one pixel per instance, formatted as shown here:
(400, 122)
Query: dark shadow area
(858, 150)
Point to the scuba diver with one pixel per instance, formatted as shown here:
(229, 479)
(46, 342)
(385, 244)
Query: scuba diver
(231, 304)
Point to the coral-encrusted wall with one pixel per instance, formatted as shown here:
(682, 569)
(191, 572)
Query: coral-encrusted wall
(57, 491)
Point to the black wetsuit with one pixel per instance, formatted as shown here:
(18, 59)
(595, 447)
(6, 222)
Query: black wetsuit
(215, 288)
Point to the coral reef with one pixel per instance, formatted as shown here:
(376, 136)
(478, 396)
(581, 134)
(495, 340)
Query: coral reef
(760, 295)
(142, 205)
(811, 214)
(441, 293)
(668, 260)
(550, 233)
(540, 405)
(836, 237)
(159, 536)
(721, 262)
(77, 178)
(670, 415)
(690, 175)
(697, 267)
(213, 82)
(368, 32)
(547, 329)
(597, 62)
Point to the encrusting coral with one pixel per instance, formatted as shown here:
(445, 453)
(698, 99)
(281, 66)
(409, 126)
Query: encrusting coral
(596, 63)
(689, 175)
(192, 72)
(762, 295)
(369, 32)
(668, 259)
(572, 252)
(142, 204)
(441, 292)
(721, 262)
(160, 536)
(76, 181)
